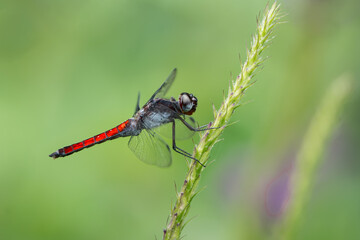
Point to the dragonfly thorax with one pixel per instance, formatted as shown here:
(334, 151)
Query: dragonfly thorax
(156, 119)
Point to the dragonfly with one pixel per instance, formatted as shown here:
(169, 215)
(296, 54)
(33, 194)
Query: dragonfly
(144, 141)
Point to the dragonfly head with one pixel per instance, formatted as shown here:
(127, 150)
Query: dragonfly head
(188, 103)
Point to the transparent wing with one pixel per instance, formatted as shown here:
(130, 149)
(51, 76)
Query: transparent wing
(165, 86)
(151, 148)
(137, 107)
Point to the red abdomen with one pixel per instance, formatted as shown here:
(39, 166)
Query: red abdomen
(100, 138)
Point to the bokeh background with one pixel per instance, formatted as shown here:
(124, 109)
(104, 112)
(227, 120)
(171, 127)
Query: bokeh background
(72, 69)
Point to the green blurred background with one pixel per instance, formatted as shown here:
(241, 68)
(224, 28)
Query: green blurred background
(72, 69)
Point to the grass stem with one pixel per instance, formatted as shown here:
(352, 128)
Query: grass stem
(309, 156)
(260, 41)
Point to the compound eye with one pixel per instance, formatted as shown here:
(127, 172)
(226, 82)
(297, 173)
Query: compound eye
(186, 103)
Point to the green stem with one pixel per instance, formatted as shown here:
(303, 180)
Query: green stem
(221, 117)
(309, 156)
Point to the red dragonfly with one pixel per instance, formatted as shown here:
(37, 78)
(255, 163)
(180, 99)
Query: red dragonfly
(147, 145)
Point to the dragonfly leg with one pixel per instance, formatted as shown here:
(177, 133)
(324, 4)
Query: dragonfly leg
(199, 129)
(179, 150)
